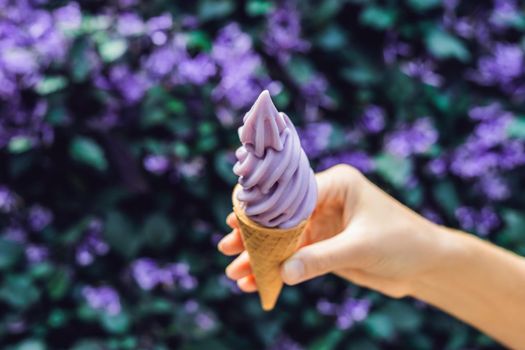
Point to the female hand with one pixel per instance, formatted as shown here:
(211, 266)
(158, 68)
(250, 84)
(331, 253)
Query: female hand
(357, 232)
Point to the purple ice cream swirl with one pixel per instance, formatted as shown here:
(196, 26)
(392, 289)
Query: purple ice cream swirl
(278, 187)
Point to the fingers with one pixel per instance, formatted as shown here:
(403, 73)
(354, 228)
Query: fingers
(318, 259)
(231, 244)
(247, 284)
(231, 220)
(239, 268)
(241, 271)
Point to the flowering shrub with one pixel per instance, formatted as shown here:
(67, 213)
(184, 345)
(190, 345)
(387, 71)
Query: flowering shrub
(117, 131)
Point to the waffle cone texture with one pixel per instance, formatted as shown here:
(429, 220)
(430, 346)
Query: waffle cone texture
(267, 248)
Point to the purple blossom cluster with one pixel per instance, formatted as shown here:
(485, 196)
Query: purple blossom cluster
(92, 245)
(409, 139)
(488, 152)
(204, 320)
(31, 39)
(350, 312)
(283, 34)
(483, 221)
(102, 298)
(148, 275)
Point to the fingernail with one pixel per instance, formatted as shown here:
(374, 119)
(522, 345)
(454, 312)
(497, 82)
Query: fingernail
(293, 270)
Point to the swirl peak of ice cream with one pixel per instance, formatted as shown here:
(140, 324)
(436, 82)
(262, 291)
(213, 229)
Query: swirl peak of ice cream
(278, 184)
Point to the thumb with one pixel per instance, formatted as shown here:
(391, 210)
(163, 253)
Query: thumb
(316, 259)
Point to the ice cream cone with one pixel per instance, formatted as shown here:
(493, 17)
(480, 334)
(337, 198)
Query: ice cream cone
(267, 249)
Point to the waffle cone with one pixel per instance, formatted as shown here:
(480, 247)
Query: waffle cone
(267, 249)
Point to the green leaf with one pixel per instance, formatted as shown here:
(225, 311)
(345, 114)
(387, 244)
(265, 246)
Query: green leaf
(58, 284)
(402, 315)
(423, 5)
(332, 38)
(516, 127)
(379, 326)
(215, 9)
(443, 46)
(49, 85)
(121, 235)
(80, 66)
(514, 230)
(31, 344)
(198, 39)
(10, 253)
(112, 50)
(158, 231)
(19, 292)
(445, 194)
(223, 167)
(378, 17)
(300, 69)
(328, 341)
(394, 169)
(258, 7)
(87, 151)
(20, 144)
(115, 323)
(360, 75)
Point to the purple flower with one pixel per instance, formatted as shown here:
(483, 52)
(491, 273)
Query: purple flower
(505, 13)
(7, 200)
(68, 17)
(163, 22)
(373, 119)
(205, 321)
(102, 298)
(483, 221)
(36, 253)
(412, 139)
(92, 245)
(15, 233)
(422, 70)
(315, 138)
(39, 217)
(144, 272)
(156, 164)
(148, 274)
(18, 60)
(512, 154)
(162, 61)
(239, 66)
(352, 310)
(130, 24)
(357, 159)
(437, 167)
(283, 34)
(196, 70)
(131, 86)
(432, 215)
(394, 48)
(504, 64)
(326, 308)
(494, 187)
(191, 168)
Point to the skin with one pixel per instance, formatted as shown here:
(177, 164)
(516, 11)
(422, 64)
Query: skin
(365, 236)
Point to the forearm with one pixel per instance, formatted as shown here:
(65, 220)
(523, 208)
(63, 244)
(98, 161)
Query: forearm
(480, 284)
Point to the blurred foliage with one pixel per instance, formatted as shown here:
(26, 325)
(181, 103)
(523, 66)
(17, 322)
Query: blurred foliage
(118, 126)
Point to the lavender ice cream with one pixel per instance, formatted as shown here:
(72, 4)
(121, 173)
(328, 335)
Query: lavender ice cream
(278, 184)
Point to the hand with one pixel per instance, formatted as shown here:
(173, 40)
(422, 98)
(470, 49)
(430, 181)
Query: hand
(357, 232)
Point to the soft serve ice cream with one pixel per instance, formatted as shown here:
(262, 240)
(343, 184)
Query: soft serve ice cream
(278, 187)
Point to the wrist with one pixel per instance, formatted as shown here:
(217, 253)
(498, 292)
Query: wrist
(451, 252)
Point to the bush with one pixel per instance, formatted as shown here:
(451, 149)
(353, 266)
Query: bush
(117, 137)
